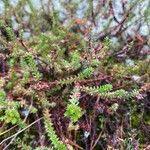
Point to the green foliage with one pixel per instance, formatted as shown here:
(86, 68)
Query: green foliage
(105, 88)
(74, 62)
(25, 142)
(104, 91)
(51, 133)
(86, 73)
(63, 69)
(83, 75)
(73, 111)
(44, 148)
(11, 116)
(9, 105)
(95, 63)
(2, 96)
(6, 31)
(28, 62)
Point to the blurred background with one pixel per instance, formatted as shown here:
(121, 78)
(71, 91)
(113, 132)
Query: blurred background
(114, 17)
(122, 21)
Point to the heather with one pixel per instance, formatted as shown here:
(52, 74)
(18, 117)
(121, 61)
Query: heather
(75, 75)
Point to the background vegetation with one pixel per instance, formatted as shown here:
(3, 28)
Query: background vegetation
(74, 74)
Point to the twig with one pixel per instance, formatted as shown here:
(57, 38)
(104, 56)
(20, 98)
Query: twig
(40, 132)
(21, 131)
(8, 130)
(97, 140)
(74, 144)
(15, 135)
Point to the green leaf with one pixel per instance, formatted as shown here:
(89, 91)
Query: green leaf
(2, 95)
(74, 112)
